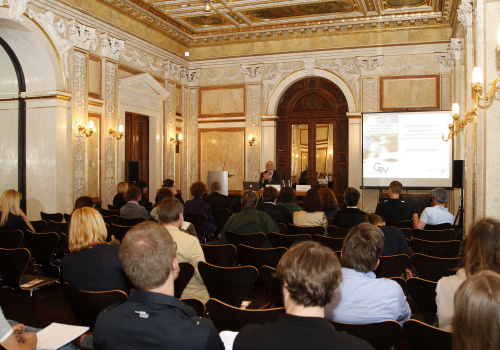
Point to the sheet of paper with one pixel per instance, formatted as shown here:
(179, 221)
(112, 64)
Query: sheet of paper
(57, 335)
(185, 225)
(31, 283)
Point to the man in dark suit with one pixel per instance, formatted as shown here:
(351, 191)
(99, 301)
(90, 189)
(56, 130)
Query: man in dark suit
(351, 216)
(132, 210)
(218, 200)
(270, 176)
(394, 209)
(277, 212)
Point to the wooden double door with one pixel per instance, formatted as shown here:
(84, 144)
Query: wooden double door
(137, 144)
(312, 134)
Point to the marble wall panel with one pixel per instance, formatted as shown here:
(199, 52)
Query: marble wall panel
(178, 100)
(8, 146)
(223, 149)
(95, 77)
(222, 101)
(93, 156)
(409, 92)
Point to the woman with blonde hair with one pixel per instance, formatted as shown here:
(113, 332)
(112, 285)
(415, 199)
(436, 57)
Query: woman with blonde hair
(121, 188)
(93, 264)
(482, 252)
(476, 324)
(12, 217)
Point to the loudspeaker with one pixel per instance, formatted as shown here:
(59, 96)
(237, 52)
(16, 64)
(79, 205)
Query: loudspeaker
(133, 171)
(458, 174)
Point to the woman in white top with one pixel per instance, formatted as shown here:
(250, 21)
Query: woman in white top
(312, 213)
(482, 252)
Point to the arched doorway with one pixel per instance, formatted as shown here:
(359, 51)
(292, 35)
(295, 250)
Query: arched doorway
(312, 133)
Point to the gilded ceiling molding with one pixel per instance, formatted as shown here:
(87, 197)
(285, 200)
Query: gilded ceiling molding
(111, 47)
(252, 73)
(457, 48)
(82, 36)
(464, 13)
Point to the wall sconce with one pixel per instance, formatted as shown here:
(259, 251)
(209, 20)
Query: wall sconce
(117, 135)
(470, 116)
(177, 140)
(86, 132)
(251, 139)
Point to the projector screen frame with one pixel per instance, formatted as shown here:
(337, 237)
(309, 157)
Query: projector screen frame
(405, 187)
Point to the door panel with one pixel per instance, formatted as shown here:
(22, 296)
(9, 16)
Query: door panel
(137, 144)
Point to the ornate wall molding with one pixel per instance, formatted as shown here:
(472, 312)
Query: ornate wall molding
(348, 70)
(309, 66)
(190, 77)
(370, 94)
(82, 36)
(274, 74)
(370, 65)
(253, 126)
(111, 47)
(170, 131)
(193, 169)
(408, 65)
(172, 70)
(110, 122)
(79, 118)
(16, 9)
(457, 48)
(464, 13)
(222, 75)
(142, 61)
(445, 60)
(252, 73)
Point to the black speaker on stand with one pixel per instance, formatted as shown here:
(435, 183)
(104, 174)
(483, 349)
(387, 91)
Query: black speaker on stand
(458, 182)
(133, 171)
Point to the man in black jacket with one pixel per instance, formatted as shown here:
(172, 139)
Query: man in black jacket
(394, 209)
(218, 200)
(350, 216)
(277, 212)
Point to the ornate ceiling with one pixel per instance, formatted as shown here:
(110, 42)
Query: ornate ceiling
(250, 20)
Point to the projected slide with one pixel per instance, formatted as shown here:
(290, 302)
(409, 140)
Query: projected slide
(406, 146)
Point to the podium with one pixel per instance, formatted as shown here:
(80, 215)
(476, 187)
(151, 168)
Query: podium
(222, 177)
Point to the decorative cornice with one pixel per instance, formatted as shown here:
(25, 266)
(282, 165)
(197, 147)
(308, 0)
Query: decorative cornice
(228, 120)
(97, 104)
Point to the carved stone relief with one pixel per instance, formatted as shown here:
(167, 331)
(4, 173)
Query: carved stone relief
(222, 75)
(370, 94)
(82, 36)
(252, 73)
(370, 65)
(309, 66)
(445, 60)
(142, 61)
(457, 48)
(253, 126)
(110, 142)
(273, 76)
(172, 70)
(464, 13)
(190, 77)
(446, 91)
(79, 118)
(16, 9)
(408, 65)
(111, 47)
(348, 70)
(170, 131)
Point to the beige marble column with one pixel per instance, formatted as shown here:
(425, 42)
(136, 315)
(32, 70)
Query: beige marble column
(172, 74)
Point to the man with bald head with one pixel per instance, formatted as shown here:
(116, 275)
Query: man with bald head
(270, 176)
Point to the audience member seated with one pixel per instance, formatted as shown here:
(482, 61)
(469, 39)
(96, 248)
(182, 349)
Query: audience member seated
(476, 324)
(277, 212)
(249, 220)
(309, 273)
(12, 217)
(311, 213)
(395, 241)
(197, 206)
(437, 213)
(169, 183)
(119, 198)
(93, 263)
(160, 195)
(329, 200)
(132, 210)
(84, 201)
(361, 296)
(286, 198)
(350, 216)
(482, 252)
(394, 209)
(144, 201)
(216, 200)
(152, 318)
(188, 247)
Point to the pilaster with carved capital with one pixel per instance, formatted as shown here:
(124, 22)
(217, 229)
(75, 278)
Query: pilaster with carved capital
(457, 48)
(252, 73)
(370, 65)
(190, 77)
(110, 144)
(464, 13)
(446, 61)
(82, 36)
(254, 127)
(172, 70)
(169, 131)
(111, 48)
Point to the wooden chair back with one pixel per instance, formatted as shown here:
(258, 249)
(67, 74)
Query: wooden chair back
(106, 212)
(13, 262)
(286, 241)
(392, 266)
(438, 227)
(86, 306)
(337, 232)
(228, 284)
(260, 256)
(400, 224)
(43, 246)
(39, 225)
(11, 239)
(250, 239)
(219, 255)
(333, 243)
(431, 268)
(185, 274)
(382, 336)
(197, 305)
(56, 217)
(272, 284)
(118, 231)
(438, 249)
(220, 217)
(198, 221)
(112, 219)
(423, 293)
(310, 230)
(434, 235)
(130, 222)
(406, 232)
(67, 217)
(114, 207)
(62, 226)
(283, 227)
(227, 317)
(422, 336)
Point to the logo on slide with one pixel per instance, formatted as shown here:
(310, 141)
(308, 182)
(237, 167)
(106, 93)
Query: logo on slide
(378, 167)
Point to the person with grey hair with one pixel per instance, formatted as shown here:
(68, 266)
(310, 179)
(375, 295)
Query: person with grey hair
(437, 213)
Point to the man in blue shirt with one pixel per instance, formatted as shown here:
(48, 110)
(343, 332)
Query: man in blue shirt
(436, 214)
(361, 296)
